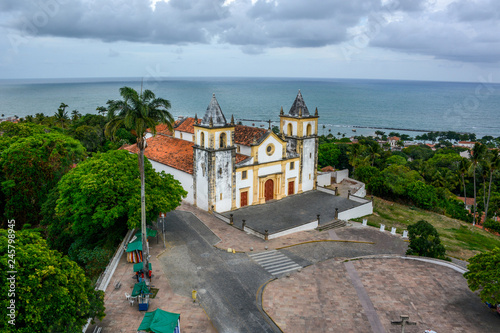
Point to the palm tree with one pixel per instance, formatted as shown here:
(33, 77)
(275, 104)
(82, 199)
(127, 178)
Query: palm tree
(102, 110)
(62, 115)
(75, 115)
(494, 164)
(464, 168)
(137, 112)
(477, 154)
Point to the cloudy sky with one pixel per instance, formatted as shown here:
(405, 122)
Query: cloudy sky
(446, 40)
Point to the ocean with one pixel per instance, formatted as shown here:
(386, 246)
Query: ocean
(346, 106)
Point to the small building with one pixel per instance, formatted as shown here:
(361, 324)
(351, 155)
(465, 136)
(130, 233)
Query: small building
(466, 144)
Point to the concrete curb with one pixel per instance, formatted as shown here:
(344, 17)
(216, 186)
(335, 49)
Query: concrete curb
(439, 262)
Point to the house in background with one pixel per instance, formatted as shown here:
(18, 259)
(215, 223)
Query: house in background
(224, 166)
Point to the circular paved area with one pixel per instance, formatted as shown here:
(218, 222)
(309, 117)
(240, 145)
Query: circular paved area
(327, 298)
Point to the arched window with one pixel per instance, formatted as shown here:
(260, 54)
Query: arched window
(222, 140)
(202, 139)
(308, 130)
(290, 129)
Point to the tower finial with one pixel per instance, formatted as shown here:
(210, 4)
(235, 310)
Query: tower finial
(195, 118)
(281, 112)
(316, 112)
(232, 120)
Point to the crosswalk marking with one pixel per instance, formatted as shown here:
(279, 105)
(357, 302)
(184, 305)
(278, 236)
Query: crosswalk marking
(275, 262)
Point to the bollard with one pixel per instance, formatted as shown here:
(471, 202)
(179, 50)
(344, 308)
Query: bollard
(318, 218)
(348, 194)
(365, 222)
(393, 231)
(231, 219)
(336, 213)
(382, 227)
(243, 225)
(266, 235)
(336, 190)
(372, 198)
(193, 294)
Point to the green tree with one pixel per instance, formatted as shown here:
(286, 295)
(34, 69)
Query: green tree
(137, 112)
(423, 195)
(52, 293)
(328, 155)
(424, 241)
(396, 160)
(484, 275)
(30, 168)
(75, 115)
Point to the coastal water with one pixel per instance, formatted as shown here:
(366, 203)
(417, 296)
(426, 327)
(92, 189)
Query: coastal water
(344, 105)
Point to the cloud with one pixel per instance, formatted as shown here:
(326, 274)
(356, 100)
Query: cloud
(464, 30)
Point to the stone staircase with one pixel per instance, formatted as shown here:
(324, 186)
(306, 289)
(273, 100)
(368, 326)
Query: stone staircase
(332, 225)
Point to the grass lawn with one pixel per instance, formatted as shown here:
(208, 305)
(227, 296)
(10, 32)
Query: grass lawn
(460, 239)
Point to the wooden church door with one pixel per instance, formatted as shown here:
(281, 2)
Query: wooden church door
(269, 190)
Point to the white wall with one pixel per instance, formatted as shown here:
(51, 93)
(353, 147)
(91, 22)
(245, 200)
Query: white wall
(340, 175)
(244, 150)
(269, 170)
(184, 178)
(247, 184)
(324, 178)
(223, 180)
(292, 175)
(201, 180)
(217, 138)
(360, 211)
(185, 136)
(277, 154)
(308, 161)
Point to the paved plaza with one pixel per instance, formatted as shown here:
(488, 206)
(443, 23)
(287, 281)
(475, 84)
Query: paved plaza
(291, 211)
(328, 294)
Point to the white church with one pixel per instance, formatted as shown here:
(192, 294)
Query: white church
(224, 166)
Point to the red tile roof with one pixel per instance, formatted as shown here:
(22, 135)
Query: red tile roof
(328, 169)
(186, 125)
(163, 129)
(470, 201)
(170, 151)
(244, 135)
(240, 158)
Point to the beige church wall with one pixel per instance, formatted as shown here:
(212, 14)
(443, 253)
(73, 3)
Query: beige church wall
(269, 170)
(244, 185)
(277, 150)
(313, 127)
(285, 128)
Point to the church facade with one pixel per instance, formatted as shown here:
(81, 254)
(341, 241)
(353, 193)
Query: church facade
(225, 166)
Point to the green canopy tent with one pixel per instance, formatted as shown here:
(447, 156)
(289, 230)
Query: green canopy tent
(140, 289)
(136, 245)
(138, 267)
(149, 232)
(159, 321)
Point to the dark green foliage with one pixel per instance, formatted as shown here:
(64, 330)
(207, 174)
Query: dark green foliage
(423, 195)
(492, 225)
(328, 155)
(365, 174)
(484, 275)
(424, 241)
(30, 168)
(52, 293)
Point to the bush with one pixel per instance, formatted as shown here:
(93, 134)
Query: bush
(492, 225)
(424, 241)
